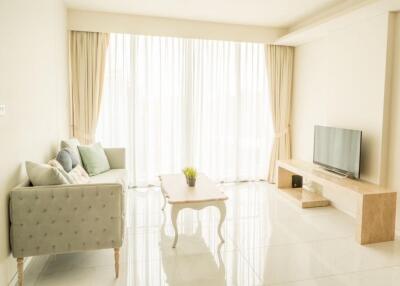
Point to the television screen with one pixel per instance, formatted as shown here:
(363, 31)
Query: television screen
(338, 149)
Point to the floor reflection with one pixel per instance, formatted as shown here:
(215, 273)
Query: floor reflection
(214, 272)
(268, 240)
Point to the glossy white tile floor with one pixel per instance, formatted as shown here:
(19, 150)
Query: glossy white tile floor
(269, 241)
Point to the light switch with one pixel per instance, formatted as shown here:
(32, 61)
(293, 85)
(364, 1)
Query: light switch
(2, 109)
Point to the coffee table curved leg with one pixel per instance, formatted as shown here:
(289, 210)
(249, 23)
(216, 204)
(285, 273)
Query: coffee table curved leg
(222, 214)
(174, 217)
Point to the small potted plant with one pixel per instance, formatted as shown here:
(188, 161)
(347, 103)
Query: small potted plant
(190, 174)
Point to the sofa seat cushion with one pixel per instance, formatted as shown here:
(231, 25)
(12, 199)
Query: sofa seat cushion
(111, 176)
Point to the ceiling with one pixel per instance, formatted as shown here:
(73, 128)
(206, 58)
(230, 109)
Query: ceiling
(271, 13)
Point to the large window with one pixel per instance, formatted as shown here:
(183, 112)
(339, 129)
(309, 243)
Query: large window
(175, 102)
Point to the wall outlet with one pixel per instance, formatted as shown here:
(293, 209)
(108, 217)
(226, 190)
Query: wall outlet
(2, 109)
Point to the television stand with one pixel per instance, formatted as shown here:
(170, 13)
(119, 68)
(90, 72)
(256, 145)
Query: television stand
(332, 173)
(376, 206)
(336, 173)
(305, 198)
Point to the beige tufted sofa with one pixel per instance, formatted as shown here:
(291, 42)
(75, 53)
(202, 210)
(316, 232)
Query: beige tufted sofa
(70, 218)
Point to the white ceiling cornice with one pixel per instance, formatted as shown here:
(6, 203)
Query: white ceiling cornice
(267, 13)
(336, 21)
(79, 20)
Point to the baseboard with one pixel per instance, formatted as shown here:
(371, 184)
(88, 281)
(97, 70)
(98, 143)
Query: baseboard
(32, 268)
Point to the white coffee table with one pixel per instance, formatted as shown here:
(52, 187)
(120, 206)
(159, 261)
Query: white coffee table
(205, 194)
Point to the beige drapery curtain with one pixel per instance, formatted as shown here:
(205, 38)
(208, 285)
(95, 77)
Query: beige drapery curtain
(279, 61)
(87, 58)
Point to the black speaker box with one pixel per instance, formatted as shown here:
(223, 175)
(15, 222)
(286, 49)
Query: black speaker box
(297, 181)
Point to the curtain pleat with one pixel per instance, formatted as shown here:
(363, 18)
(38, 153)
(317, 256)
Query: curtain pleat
(279, 62)
(87, 65)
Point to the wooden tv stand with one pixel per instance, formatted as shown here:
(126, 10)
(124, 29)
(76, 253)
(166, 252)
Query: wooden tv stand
(376, 206)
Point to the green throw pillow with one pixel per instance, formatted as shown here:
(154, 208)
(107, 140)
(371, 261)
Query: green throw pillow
(94, 159)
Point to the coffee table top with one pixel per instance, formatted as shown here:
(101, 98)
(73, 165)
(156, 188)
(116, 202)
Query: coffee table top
(177, 191)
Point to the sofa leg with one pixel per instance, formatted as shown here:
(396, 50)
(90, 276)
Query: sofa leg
(20, 268)
(116, 258)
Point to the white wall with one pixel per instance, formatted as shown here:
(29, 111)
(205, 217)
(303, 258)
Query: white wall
(34, 88)
(145, 25)
(339, 80)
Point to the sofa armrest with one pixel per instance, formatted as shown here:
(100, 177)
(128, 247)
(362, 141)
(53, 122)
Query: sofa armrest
(116, 157)
(66, 218)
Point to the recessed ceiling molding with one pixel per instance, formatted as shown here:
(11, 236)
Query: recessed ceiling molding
(267, 13)
(336, 22)
(158, 26)
(341, 8)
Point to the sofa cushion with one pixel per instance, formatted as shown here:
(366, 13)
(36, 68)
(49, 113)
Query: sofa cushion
(64, 158)
(75, 158)
(73, 144)
(77, 175)
(54, 163)
(94, 159)
(44, 175)
(111, 176)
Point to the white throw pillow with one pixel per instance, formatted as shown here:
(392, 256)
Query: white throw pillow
(54, 163)
(44, 174)
(77, 175)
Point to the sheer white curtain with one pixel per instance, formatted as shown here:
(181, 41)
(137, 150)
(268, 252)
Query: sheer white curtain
(175, 102)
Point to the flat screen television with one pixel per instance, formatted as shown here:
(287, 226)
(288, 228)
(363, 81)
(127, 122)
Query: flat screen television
(338, 150)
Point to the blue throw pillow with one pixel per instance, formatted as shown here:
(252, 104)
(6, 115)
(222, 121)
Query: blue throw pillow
(74, 157)
(65, 160)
